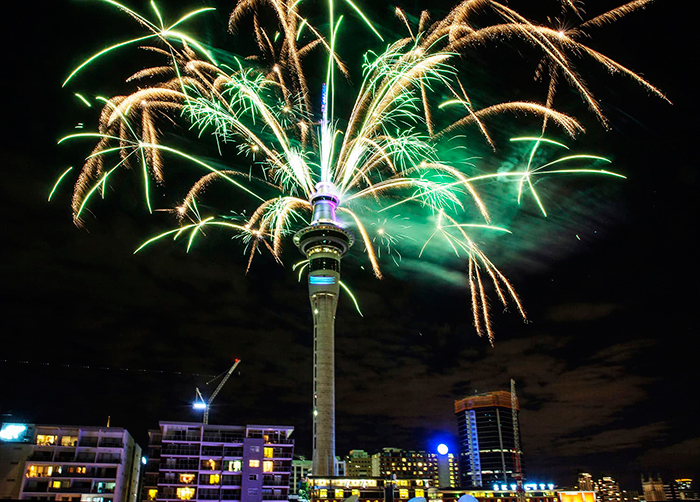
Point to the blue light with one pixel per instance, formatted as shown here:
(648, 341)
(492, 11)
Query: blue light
(504, 487)
(513, 487)
(442, 449)
(550, 486)
(199, 405)
(321, 280)
(495, 488)
(12, 432)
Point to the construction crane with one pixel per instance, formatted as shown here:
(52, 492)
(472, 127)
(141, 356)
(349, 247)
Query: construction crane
(517, 465)
(203, 404)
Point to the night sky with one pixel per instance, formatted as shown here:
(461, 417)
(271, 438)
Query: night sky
(606, 367)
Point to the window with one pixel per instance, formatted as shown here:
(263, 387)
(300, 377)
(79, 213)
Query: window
(152, 494)
(185, 493)
(323, 494)
(255, 449)
(267, 466)
(39, 471)
(253, 463)
(268, 452)
(186, 478)
(403, 493)
(339, 493)
(214, 479)
(234, 466)
(420, 493)
(355, 491)
(45, 440)
(253, 477)
(69, 440)
(212, 464)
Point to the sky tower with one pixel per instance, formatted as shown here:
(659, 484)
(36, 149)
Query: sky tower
(324, 242)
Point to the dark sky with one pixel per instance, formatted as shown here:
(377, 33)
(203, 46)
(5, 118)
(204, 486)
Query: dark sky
(606, 368)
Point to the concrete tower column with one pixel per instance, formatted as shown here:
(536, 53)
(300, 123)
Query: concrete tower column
(324, 242)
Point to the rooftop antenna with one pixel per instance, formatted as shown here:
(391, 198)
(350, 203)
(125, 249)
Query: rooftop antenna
(203, 404)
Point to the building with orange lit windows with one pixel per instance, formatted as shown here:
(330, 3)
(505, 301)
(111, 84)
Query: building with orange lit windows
(73, 463)
(197, 462)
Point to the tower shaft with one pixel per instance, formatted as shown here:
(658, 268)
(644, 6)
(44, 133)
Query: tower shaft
(323, 306)
(324, 242)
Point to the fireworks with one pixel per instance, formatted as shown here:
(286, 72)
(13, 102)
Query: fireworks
(383, 155)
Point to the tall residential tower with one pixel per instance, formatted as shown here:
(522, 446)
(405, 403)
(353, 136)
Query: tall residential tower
(487, 439)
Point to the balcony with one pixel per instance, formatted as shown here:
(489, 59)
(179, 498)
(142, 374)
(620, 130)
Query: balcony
(87, 442)
(192, 437)
(111, 443)
(43, 456)
(217, 437)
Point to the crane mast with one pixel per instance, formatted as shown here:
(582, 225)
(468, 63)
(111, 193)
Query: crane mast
(518, 470)
(206, 404)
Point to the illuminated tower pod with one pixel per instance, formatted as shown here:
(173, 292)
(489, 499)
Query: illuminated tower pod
(324, 242)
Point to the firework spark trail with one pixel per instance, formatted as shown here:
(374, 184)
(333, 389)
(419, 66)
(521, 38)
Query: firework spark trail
(385, 155)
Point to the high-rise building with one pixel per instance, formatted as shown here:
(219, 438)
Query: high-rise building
(487, 439)
(197, 462)
(607, 490)
(653, 489)
(409, 464)
(585, 482)
(71, 463)
(302, 469)
(680, 489)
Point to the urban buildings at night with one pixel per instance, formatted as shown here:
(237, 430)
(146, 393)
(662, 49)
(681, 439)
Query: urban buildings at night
(358, 464)
(193, 461)
(585, 482)
(408, 464)
(69, 463)
(487, 439)
(653, 489)
(607, 490)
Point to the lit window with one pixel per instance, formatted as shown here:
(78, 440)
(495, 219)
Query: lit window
(268, 452)
(40, 471)
(55, 484)
(212, 464)
(69, 440)
(152, 494)
(403, 493)
(234, 465)
(323, 494)
(186, 477)
(45, 440)
(80, 470)
(253, 463)
(338, 493)
(355, 491)
(267, 466)
(420, 493)
(214, 479)
(185, 493)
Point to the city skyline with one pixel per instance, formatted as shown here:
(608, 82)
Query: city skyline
(595, 369)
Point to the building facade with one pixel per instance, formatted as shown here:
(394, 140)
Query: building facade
(358, 464)
(653, 489)
(410, 464)
(585, 482)
(75, 464)
(608, 490)
(197, 462)
(487, 439)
